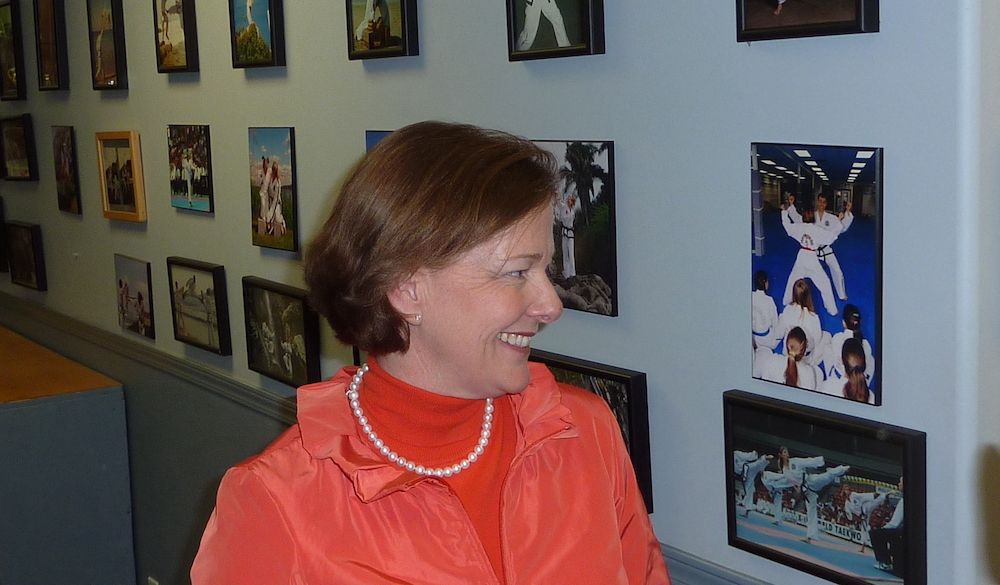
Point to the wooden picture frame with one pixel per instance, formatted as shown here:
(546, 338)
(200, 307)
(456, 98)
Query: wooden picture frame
(274, 208)
(381, 28)
(134, 279)
(545, 29)
(176, 31)
(14, 79)
(625, 392)
(199, 304)
(108, 67)
(823, 492)
(257, 33)
(66, 169)
(584, 229)
(758, 20)
(189, 149)
(119, 165)
(17, 148)
(50, 45)
(801, 291)
(26, 255)
(282, 332)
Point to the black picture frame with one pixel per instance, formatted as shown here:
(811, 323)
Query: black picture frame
(67, 172)
(189, 151)
(106, 31)
(17, 148)
(252, 47)
(368, 37)
(205, 306)
(13, 81)
(859, 505)
(759, 20)
(571, 28)
(173, 54)
(585, 226)
(4, 257)
(282, 332)
(50, 45)
(26, 255)
(846, 183)
(274, 221)
(134, 278)
(625, 392)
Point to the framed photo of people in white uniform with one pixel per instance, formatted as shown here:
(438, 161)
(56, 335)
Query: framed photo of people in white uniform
(824, 492)
(816, 260)
(544, 29)
(199, 304)
(758, 20)
(625, 392)
(381, 28)
(257, 33)
(273, 189)
(176, 36)
(119, 162)
(585, 265)
(189, 151)
(282, 332)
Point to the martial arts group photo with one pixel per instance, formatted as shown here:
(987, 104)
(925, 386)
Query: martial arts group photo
(816, 259)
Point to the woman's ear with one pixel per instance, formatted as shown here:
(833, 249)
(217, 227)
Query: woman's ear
(405, 298)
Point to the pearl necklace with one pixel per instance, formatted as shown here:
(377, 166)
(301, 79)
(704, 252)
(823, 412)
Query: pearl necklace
(387, 452)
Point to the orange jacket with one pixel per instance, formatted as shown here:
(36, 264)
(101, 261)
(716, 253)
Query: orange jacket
(319, 507)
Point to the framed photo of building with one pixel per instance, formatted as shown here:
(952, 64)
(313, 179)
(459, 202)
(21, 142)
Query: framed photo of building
(190, 152)
(544, 29)
(625, 392)
(27, 260)
(823, 492)
(135, 295)
(199, 304)
(816, 320)
(257, 33)
(107, 44)
(20, 161)
(381, 28)
(176, 35)
(50, 45)
(282, 332)
(12, 82)
(585, 262)
(273, 202)
(67, 172)
(758, 20)
(119, 163)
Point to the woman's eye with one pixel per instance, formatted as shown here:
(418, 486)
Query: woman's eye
(518, 273)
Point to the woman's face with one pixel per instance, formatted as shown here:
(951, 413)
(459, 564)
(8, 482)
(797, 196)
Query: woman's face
(480, 313)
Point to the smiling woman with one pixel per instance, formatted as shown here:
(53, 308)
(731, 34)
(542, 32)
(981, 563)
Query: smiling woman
(448, 458)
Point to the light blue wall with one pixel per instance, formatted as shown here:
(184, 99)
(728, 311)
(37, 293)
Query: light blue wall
(682, 101)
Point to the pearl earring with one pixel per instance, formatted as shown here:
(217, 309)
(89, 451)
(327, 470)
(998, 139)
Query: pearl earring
(417, 319)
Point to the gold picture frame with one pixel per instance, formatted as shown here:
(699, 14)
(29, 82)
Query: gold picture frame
(119, 166)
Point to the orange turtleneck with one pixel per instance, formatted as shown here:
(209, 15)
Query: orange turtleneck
(435, 431)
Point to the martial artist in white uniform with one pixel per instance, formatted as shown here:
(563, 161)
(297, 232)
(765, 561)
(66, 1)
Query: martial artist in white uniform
(748, 466)
(370, 6)
(533, 11)
(763, 315)
(566, 211)
(789, 477)
(861, 505)
(771, 366)
(833, 224)
(814, 484)
(810, 237)
(796, 316)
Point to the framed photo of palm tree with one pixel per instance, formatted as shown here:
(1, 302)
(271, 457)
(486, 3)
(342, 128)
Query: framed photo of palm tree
(257, 30)
(544, 29)
(176, 35)
(585, 268)
(199, 304)
(12, 82)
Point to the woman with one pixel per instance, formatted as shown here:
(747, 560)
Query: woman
(800, 313)
(791, 473)
(832, 361)
(849, 381)
(791, 369)
(448, 458)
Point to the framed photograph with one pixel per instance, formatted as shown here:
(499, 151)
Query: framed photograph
(107, 44)
(176, 35)
(759, 20)
(282, 332)
(823, 492)
(257, 30)
(273, 207)
(119, 163)
(4, 261)
(544, 29)
(50, 45)
(381, 28)
(135, 295)
(585, 269)
(67, 174)
(625, 392)
(816, 303)
(373, 137)
(24, 249)
(20, 163)
(199, 304)
(12, 82)
(190, 152)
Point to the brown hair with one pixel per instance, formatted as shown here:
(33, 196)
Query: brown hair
(853, 356)
(423, 196)
(792, 369)
(802, 295)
